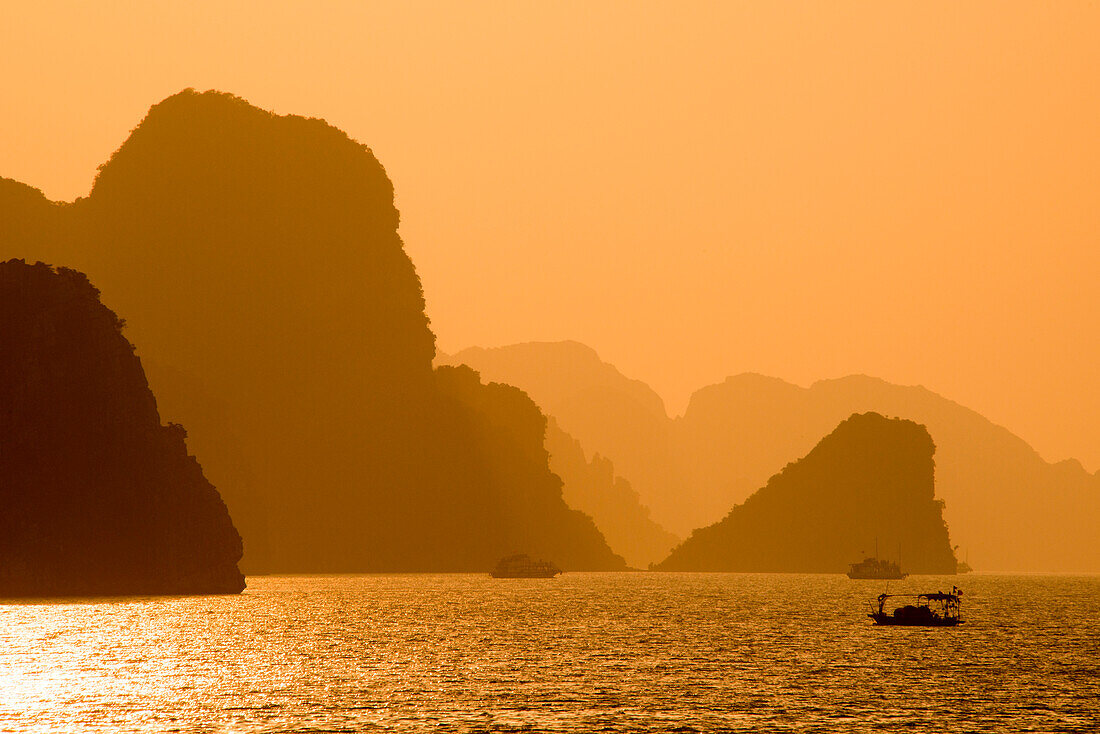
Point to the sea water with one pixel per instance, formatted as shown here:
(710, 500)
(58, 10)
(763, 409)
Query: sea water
(581, 652)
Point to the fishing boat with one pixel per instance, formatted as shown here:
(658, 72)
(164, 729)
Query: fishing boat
(522, 566)
(924, 610)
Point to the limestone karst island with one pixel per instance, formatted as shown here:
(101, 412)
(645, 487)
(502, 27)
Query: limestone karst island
(257, 262)
(558, 367)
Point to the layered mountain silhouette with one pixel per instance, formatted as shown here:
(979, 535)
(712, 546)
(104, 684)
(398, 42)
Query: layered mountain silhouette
(1007, 508)
(621, 419)
(592, 486)
(97, 497)
(257, 259)
(871, 479)
(258, 262)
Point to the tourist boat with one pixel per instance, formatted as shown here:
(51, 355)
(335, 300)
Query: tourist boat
(927, 610)
(522, 566)
(875, 568)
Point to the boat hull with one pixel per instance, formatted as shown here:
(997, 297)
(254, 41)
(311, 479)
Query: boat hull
(524, 575)
(522, 566)
(888, 620)
(880, 576)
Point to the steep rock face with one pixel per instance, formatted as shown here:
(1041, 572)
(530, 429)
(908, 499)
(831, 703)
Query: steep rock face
(96, 496)
(257, 259)
(622, 419)
(593, 487)
(871, 478)
(1007, 508)
(504, 454)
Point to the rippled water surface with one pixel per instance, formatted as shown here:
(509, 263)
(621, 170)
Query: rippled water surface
(583, 652)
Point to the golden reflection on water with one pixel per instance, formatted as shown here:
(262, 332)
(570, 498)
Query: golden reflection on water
(613, 651)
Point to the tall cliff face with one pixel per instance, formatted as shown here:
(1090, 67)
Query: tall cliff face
(258, 262)
(263, 228)
(96, 496)
(871, 478)
(257, 257)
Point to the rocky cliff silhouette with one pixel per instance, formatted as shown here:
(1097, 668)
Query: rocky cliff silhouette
(592, 486)
(501, 451)
(1007, 508)
(258, 262)
(871, 478)
(623, 420)
(96, 496)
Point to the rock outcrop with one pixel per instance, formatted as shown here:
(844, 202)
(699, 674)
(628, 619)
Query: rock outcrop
(622, 419)
(497, 436)
(97, 497)
(257, 259)
(593, 487)
(1008, 509)
(871, 478)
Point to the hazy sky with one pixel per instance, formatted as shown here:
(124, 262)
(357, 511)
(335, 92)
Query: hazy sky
(807, 190)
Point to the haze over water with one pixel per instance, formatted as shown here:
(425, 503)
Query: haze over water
(352, 295)
(611, 652)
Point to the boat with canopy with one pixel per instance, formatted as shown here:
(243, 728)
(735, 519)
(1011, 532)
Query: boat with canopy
(922, 610)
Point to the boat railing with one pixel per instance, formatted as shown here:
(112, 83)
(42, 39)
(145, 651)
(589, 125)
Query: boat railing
(949, 602)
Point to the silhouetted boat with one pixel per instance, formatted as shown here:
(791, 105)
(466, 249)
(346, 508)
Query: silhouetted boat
(875, 568)
(927, 610)
(963, 566)
(522, 566)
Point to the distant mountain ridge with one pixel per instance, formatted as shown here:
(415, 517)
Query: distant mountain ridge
(623, 420)
(592, 483)
(577, 363)
(592, 486)
(1006, 507)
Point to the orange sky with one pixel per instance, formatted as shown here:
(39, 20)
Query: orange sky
(908, 190)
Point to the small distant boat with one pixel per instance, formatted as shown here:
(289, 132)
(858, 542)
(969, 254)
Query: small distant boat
(522, 566)
(926, 610)
(875, 568)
